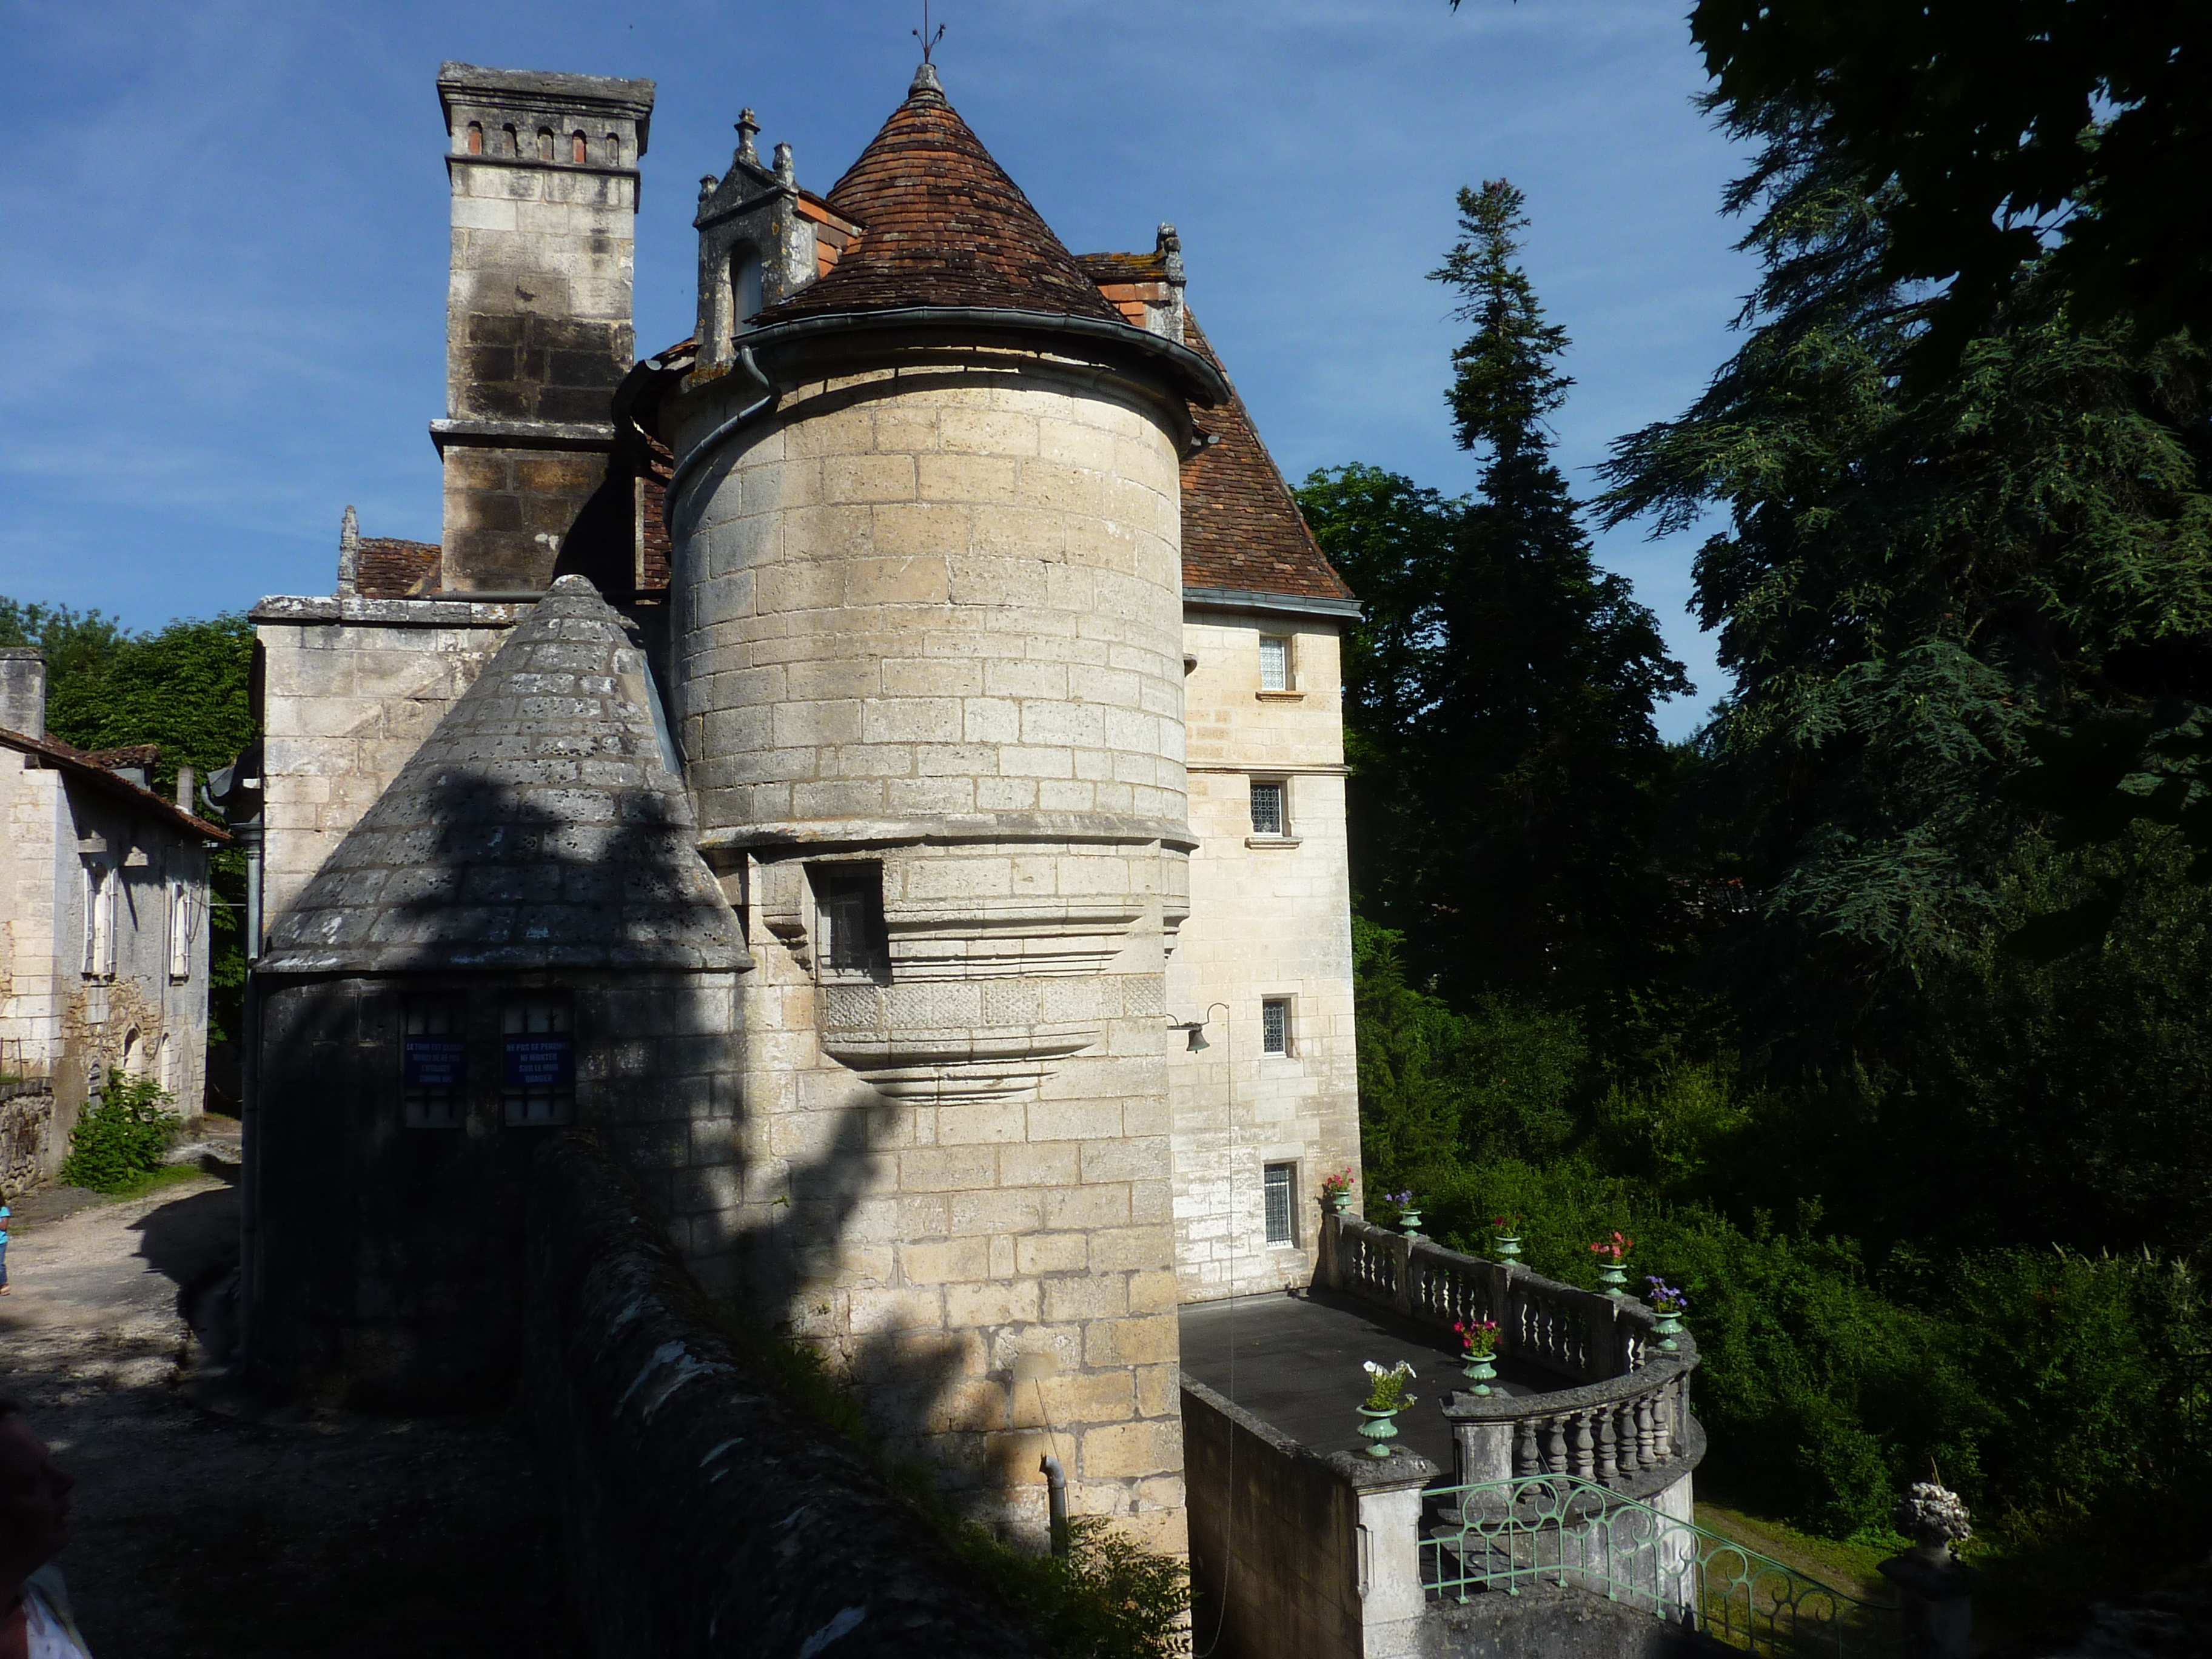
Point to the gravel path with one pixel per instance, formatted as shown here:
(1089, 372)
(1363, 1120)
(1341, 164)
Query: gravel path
(239, 1534)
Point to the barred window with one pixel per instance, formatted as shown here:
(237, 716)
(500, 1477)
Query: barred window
(434, 1063)
(1275, 663)
(539, 1065)
(1275, 1026)
(1276, 1186)
(1266, 808)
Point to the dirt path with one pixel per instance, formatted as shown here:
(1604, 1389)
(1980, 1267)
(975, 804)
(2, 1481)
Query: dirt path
(201, 1532)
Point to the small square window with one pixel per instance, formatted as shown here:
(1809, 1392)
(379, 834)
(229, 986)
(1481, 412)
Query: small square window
(434, 1063)
(1267, 818)
(848, 903)
(1275, 1026)
(1277, 1184)
(537, 1065)
(1275, 663)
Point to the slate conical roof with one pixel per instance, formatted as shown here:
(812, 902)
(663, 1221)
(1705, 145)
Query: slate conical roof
(539, 826)
(941, 225)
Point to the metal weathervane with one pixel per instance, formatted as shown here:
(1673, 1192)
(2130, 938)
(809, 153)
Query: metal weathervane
(928, 40)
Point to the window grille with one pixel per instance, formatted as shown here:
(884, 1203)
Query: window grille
(1276, 1179)
(537, 1076)
(1275, 1026)
(434, 1063)
(1275, 663)
(849, 907)
(1266, 808)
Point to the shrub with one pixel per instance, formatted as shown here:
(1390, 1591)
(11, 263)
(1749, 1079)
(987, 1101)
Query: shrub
(122, 1138)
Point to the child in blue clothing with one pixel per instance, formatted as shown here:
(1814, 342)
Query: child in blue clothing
(4, 1213)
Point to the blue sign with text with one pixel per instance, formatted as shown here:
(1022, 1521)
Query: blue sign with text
(540, 1062)
(434, 1062)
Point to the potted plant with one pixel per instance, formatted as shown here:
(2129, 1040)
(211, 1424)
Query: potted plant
(1336, 1191)
(1508, 1228)
(1409, 1210)
(1612, 1252)
(1478, 1341)
(1386, 1398)
(1670, 1304)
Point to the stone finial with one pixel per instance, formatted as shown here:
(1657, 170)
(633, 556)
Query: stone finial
(348, 555)
(707, 183)
(924, 80)
(1169, 247)
(787, 172)
(746, 127)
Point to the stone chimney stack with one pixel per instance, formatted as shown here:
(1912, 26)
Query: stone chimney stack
(23, 690)
(538, 313)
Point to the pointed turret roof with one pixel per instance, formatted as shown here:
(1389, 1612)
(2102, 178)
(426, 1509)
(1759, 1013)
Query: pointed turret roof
(941, 225)
(539, 826)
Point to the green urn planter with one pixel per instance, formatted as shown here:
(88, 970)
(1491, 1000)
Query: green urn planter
(1380, 1429)
(1340, 1205)
(1481, 1372)
(1409, 1219)
(1666, 1327)
(1615, 1277)
(1509, 1249)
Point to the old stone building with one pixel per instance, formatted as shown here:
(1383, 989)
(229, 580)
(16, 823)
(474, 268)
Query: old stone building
(878, 762)
(104, 953)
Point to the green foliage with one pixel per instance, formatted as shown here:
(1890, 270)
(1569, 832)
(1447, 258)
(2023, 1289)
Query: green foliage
(1999, 125)
(119, 1140)
(77, 644)
(1109, 1598)
(1499, 695)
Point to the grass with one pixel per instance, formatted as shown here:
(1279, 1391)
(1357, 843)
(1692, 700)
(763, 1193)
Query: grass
(1847, 1566)
(143, 1182)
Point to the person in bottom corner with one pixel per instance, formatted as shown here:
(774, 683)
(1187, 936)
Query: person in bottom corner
(4, 1213)
(35, 1622)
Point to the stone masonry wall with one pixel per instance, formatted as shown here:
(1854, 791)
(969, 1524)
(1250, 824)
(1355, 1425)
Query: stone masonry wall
(927, 632)
(351, 689)
(700, 1513)
(1270, 918)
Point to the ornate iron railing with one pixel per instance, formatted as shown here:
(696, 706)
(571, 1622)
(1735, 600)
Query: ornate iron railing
(1561, 1531)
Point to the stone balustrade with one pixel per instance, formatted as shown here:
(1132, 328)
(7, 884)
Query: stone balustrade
(1622, 1417)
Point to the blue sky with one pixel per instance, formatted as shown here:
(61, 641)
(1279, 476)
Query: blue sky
(225, 315)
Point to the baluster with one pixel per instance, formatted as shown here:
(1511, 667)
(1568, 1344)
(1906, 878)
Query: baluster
(1607, 1469)
(1524, 1449)
(1555, 1453)
(1625, 1438)
(1646, 1449)
(1584, 1465)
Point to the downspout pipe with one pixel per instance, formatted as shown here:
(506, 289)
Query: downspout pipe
(1056, 1485)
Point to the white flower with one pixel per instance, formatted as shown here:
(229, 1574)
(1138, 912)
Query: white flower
(1401, 1368)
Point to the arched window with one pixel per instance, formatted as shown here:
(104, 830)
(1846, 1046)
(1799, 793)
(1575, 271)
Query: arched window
(745, 284)
(165, 1065)
(578, 150)
(513, 142)
(476, 138)
(544, 144)
(134, 1054)
(614, 150)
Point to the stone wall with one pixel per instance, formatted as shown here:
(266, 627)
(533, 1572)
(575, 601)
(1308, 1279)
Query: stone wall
(927, 642)
(700, 1515)
(399, 1277)
(349, 690)
(33, 1140)
(1270, 919)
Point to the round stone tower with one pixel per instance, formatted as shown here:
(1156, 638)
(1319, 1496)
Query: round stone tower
(926, 656)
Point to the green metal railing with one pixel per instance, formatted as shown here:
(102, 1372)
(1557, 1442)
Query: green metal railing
(1561, 1531)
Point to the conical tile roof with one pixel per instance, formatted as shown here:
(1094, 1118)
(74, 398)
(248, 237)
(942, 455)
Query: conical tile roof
(941, 225)
(539, 826)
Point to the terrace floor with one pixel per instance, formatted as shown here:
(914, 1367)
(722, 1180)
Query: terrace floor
(1293, 1361)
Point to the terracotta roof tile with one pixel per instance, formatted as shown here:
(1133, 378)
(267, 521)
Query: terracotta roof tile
(1104, 267)
(941, 225)
(393, 570)
(1241, 526)
(77, 764)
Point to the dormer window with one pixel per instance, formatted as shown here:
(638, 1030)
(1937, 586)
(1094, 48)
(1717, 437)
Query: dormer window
(746, 285)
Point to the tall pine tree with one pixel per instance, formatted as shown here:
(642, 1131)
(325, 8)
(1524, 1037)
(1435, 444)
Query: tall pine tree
(1500, 698)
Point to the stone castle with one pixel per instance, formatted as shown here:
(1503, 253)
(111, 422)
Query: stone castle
(877, 765)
